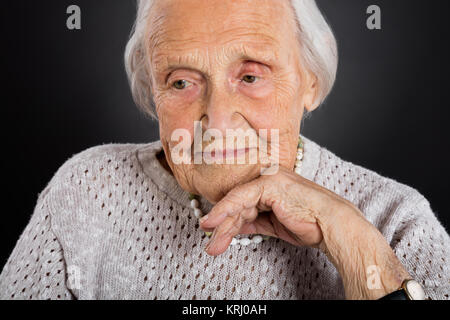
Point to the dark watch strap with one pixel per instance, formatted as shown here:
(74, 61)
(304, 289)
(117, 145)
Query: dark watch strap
(396, 295)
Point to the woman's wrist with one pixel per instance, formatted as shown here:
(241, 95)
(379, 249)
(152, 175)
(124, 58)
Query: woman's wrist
(367, 265)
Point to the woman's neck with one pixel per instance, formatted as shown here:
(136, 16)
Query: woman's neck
(162, 159)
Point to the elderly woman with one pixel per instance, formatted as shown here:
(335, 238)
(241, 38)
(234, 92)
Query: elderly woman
(121, 221)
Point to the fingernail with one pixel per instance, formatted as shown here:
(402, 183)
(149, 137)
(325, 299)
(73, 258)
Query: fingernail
(208, 245)
(213, 236)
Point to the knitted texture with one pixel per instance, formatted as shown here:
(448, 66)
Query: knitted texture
(114, 224)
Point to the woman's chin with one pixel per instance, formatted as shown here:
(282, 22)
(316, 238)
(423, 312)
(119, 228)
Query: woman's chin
(214, 181)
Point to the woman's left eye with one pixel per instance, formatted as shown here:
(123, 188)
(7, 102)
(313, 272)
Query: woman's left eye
(249, 78)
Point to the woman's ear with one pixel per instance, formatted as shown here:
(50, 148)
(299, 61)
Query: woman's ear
(310, 92)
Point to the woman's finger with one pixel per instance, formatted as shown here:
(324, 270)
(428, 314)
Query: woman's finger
(222, 236)
(237, 200)
(230, 227)
(267, 224)
(261, 225)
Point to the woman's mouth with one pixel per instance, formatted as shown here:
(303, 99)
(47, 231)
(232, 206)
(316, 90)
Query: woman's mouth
(224, 155)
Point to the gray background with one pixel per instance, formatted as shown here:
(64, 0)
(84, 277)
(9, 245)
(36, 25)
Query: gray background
(65, 91)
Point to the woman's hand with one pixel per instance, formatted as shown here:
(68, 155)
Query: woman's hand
(292, 208)
(284, 205)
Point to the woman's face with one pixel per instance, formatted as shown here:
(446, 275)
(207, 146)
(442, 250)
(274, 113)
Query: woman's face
(229, 65)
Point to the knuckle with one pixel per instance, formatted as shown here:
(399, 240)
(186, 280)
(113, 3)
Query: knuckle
(234, 196)
(249, 215)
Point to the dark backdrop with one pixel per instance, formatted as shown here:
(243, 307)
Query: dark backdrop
(64, 91)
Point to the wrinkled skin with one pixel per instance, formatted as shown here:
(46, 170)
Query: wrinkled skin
(211, 52)
(231, 64)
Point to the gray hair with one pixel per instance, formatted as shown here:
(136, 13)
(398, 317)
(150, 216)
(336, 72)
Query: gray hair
(319, 52)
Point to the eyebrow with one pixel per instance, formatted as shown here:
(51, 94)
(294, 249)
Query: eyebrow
(189, 60)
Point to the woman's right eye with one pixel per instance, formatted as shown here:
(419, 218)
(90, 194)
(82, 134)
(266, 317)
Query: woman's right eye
(181, 84)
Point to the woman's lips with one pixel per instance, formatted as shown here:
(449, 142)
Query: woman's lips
(224, 154)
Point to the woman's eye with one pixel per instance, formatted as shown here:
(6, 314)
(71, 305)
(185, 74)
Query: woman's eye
(249, 79)
(181, 84)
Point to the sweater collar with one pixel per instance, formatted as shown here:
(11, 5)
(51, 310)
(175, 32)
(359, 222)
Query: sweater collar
(146, 156)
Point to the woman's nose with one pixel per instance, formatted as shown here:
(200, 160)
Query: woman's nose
(222, 111)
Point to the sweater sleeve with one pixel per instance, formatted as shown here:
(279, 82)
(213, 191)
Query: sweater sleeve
(36, 268)
(423, 246)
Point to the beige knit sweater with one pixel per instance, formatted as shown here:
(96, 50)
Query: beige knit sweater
(113, 224)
